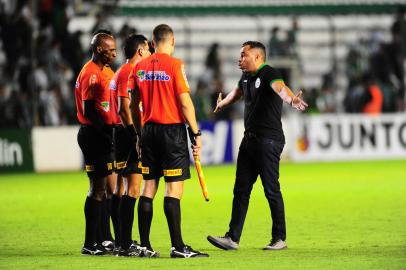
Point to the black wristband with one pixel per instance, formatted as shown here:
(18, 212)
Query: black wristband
(131, 130)
(199, 133)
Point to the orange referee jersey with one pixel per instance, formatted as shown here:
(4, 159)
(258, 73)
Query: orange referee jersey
(118, 88)
(92, 84)
(160, 78)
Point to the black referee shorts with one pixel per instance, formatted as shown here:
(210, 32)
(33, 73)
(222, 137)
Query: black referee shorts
(165, 152)
(126, 157)
(97, 149)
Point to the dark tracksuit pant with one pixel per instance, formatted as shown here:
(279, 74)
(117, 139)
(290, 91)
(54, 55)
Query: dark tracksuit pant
(258, 155)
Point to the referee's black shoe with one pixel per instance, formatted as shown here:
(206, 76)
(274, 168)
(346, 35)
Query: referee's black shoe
(96, 250)
(130, 252)
(148, 252)
(116, 250)
(135, 244)
(108, 246)
(186, 252)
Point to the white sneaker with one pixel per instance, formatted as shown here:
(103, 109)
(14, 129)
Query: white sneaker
(276, 245)
(224, 242)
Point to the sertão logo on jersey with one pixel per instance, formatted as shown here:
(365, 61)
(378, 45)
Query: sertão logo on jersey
(257, 83)
(158, 75)
(141, 75)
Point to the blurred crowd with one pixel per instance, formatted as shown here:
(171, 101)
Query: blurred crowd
(374, 70)
(40, 59)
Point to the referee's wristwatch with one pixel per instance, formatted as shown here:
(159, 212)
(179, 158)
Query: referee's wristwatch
(199, 133)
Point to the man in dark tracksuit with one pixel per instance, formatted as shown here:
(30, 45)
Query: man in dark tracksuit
(264, 91)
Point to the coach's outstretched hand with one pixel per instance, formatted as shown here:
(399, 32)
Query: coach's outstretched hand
(219, 105)
(298, 103)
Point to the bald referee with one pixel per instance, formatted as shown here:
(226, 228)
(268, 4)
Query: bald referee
(92, 96)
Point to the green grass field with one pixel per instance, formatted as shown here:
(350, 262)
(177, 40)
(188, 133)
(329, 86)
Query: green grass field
(339, 216)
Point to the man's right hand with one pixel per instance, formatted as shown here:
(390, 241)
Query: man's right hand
(219, 104)
(298, 103)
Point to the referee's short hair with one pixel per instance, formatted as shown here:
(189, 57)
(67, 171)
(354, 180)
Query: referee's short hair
(132, 44)
(256, 45)
(103, 31)
(161, 33)
(97, 40)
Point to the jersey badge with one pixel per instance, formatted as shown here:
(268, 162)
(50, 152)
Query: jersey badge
(113, 85)
(93, 79)
(105, 105)
(257, 83)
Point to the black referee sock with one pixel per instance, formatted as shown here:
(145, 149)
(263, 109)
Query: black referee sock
(115, 217)
(145, 212)
(131, 221)
(106, 219)
(92, 211)
(99, 227)
(126, 220)
(103, 229)
(172, 213)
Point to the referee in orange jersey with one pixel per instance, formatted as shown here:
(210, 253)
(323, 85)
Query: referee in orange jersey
(95, 134)
(103, 233)
(160, 83)
(135, 49)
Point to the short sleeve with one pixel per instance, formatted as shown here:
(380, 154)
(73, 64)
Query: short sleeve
(90, 85)
(181, 83)
(122, 83)
(240, 82)
(274, 75)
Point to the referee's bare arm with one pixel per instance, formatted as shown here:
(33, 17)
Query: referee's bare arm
(231, 98)
(188, 111)
(126, 117)
(124, 111)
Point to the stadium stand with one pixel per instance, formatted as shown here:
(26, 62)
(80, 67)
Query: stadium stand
(327, 30)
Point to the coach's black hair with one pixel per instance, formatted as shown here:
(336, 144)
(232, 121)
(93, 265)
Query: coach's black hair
(161, 33)
(256, 45)
(132, 43)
